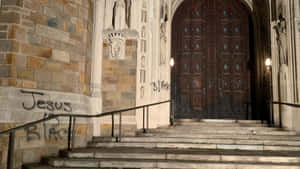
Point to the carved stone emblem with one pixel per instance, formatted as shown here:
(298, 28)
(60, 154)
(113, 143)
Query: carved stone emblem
(117, 46)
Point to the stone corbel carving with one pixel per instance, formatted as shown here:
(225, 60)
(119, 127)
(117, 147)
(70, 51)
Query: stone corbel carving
(117, 46)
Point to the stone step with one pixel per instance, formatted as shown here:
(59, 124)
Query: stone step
(254, 135)
(224, 131)
(183, 127)
(196, 146)
(263, 131)
(218, 121)
(191, 155)
(135, 163)
(193, 124)
(200, 140)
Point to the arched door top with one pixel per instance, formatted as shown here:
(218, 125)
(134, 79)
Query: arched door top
(177, 3)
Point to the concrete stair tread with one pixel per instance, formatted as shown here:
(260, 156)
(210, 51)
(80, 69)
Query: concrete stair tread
(207, 136)
(218, 121)
(191, 137)
(182, 127)
(174, 134)
(215, 131)
(132, 150)
(146, 163)
(202, 141)
(198, 146)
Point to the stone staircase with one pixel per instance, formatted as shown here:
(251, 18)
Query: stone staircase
(205, 144)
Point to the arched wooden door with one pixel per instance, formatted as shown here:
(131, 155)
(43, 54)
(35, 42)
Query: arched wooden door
(210, 43)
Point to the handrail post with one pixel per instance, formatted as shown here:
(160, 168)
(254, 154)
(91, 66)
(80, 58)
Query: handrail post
(280, 116)
(73, 132)
(120, 127)
(69, 133)
(172, 112)
(112, 124)
(147, 117)
(144, 130)
(11, 150)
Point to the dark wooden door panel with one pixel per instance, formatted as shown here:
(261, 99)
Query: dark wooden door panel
(211, 50)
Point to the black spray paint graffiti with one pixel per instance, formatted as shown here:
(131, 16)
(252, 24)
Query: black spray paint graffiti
(46, 104)
(160, 85)
(52, 131)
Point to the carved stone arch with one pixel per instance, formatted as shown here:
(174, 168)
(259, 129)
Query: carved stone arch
(177, 3)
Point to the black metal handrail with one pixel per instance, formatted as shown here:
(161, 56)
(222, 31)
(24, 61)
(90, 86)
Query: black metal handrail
(287, 104)
(72, 121)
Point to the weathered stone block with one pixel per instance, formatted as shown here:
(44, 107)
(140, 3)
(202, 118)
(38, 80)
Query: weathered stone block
(43, 76)
(3, 35)
(27, 74)
(13, 71)
(35, 62)
(76, 37)
(34, 50)
(33, 38)
(11, 58)
(10, 17)
(12, 2)
(2, 58)
(54, 66)
(71, 10)
(16, 32)
(52, 33)
(9, 46)
(3, 27)
(29, 84)
(61, 56)
(51, 12)
(58, 77)
(28, 23)
(71, 66)
(5, 71)
(21, 61)
(32, 4)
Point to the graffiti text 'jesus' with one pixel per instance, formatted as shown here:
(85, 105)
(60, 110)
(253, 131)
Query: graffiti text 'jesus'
(46, 104)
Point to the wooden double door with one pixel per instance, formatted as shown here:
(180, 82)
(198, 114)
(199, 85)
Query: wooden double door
(210, 43)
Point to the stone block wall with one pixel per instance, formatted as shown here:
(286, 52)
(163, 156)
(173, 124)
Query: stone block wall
(119, 86)
(45, 47)
(46, 44)
(20, 106)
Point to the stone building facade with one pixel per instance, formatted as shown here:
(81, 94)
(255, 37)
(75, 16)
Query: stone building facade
(94, 56)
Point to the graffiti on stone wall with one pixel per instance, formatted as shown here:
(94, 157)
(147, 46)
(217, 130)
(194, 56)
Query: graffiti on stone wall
(43, 104)
(160, 85)
(51, 131)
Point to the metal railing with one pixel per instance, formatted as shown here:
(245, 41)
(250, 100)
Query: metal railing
(72, 124)
(280, 112)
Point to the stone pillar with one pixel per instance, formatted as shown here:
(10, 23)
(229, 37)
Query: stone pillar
(96, 73)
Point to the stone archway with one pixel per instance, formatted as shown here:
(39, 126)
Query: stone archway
(176, 3)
